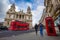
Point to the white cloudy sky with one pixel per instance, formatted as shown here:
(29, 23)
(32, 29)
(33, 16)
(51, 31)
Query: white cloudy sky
(36, 6)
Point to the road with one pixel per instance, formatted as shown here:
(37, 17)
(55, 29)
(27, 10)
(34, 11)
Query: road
(25, 35)
(10, 33)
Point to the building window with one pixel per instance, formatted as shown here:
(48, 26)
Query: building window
(11, 10)
(57, 21)
(19, 16)
(23, 16)
(8, 23)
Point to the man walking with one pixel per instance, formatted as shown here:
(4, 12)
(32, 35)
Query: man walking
(36, 28)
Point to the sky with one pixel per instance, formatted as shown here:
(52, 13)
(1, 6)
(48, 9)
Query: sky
(36, 6)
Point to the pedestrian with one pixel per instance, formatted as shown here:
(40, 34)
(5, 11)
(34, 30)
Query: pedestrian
(41, 29)
(58, 26)
(36, 28)
(59, 22)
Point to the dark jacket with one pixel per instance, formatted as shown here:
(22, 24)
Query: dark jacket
(41, 27)
(36, 27)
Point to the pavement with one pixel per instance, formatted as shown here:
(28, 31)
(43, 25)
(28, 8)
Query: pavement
(26, 35)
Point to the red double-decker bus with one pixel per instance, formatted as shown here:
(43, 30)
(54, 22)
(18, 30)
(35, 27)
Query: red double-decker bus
(18, 25)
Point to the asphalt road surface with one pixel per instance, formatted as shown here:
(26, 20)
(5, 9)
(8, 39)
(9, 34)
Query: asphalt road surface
(25, 35)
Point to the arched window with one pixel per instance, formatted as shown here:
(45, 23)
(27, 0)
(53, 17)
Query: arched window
(8, 22)
(23, 16)
(19, 16)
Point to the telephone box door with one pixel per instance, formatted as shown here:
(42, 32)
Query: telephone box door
(50, 28)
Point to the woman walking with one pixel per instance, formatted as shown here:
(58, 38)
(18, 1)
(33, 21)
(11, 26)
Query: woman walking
(41, 29)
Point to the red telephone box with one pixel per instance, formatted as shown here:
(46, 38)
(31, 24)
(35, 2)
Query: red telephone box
(50, 28)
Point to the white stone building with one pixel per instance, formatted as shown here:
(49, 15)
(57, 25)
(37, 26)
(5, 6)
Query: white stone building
(21, 16)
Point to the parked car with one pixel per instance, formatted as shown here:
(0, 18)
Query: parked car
(3, 28)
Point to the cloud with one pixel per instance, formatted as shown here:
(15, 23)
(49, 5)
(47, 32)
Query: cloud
(3, 8)
(40, 8)
(12, 1)
(39, 2)
(1, 20)
(36, 8)
(17, 9)
(29, 4)
(37, 14)
(23, 6)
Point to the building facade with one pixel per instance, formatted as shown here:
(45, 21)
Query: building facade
(53, 9)
(42, 17)
(21, 16)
